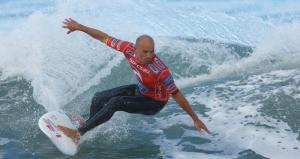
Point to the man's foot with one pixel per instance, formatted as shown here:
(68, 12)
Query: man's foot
(77, 118)
(72, 133)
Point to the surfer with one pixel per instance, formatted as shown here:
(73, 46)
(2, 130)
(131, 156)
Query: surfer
(151, 93)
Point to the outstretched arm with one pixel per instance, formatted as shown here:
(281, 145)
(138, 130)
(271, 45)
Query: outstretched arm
(72, 25)
(180, 99)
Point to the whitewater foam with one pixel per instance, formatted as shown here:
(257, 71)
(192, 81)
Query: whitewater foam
(235, 119)
(280, 49)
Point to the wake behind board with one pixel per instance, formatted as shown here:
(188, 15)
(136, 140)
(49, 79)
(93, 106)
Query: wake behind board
(48, 124)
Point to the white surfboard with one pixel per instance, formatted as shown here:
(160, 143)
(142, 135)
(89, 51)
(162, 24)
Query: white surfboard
(48, 124)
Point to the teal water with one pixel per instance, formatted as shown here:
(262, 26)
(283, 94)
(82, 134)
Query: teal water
(236, 62)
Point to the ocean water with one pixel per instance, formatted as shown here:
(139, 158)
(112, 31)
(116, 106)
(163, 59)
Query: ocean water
(236, 61)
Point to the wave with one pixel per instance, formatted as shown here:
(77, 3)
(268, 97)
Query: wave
(278, 50)
(60, 67)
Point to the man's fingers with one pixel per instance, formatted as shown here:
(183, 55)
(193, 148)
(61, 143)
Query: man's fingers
(208, 131)
(67, 20)
(67, 32)
(71, 20)
(205, 129)
(201, 127)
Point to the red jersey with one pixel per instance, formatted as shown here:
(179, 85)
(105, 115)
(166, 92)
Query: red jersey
(154, 79)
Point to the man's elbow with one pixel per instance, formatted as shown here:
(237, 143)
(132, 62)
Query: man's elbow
(103, 39)
(176, 94)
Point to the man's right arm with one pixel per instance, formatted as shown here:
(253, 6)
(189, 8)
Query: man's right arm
(72, 25)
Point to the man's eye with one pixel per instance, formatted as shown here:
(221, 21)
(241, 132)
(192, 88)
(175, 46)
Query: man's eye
(145, 51)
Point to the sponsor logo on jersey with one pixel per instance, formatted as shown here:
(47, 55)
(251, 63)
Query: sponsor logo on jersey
(138, 66)
(114, 41)
(159, 63)
(153, 68)
(168, 80)
(130, 52)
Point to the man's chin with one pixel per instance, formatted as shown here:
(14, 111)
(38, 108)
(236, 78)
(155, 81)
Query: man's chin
(147, 61)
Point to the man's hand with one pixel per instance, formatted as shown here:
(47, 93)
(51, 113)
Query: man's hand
(72, 25)
(183, 103)
(200, 125)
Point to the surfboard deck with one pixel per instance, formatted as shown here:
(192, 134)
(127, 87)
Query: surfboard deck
(48, 124)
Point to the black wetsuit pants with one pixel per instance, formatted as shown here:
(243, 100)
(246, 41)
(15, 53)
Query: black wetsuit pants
(124, 98)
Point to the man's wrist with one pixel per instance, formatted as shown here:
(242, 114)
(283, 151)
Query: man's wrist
(194, 117)
(82, 28)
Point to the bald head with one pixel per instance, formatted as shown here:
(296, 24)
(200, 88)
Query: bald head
(144, 40)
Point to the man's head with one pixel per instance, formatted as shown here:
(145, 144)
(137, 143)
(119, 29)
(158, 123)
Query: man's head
(144, 46)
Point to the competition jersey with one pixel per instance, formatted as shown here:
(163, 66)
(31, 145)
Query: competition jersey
(154, 79)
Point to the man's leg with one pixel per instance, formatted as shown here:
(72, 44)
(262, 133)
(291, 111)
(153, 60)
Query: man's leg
(98, 101)
(100, 98)
(131, 104)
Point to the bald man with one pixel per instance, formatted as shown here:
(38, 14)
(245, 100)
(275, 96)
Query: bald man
(148, 96)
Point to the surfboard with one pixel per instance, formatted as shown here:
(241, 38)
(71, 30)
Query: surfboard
(48, 124)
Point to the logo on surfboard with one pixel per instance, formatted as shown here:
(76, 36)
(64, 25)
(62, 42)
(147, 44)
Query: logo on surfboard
(52, 127)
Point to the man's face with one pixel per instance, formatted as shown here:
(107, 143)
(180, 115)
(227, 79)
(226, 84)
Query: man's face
(145, 51)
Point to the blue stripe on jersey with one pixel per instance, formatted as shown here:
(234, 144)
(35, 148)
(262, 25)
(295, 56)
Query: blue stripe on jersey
(153, 68)
(171, 87)
(142, 88)
(159, 63)
(130, 52)
(168, 80)
(114, 41)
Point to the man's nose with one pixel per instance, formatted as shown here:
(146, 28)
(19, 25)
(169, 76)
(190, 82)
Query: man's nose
(149, 55)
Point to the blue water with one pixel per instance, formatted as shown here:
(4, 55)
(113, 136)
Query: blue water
(237, 62)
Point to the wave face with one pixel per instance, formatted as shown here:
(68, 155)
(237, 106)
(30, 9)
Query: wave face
(237, 62)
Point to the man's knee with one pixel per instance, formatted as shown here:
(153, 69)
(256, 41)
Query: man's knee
(99, 96)
(115, 101)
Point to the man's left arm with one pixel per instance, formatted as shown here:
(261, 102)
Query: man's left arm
(184, 104)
